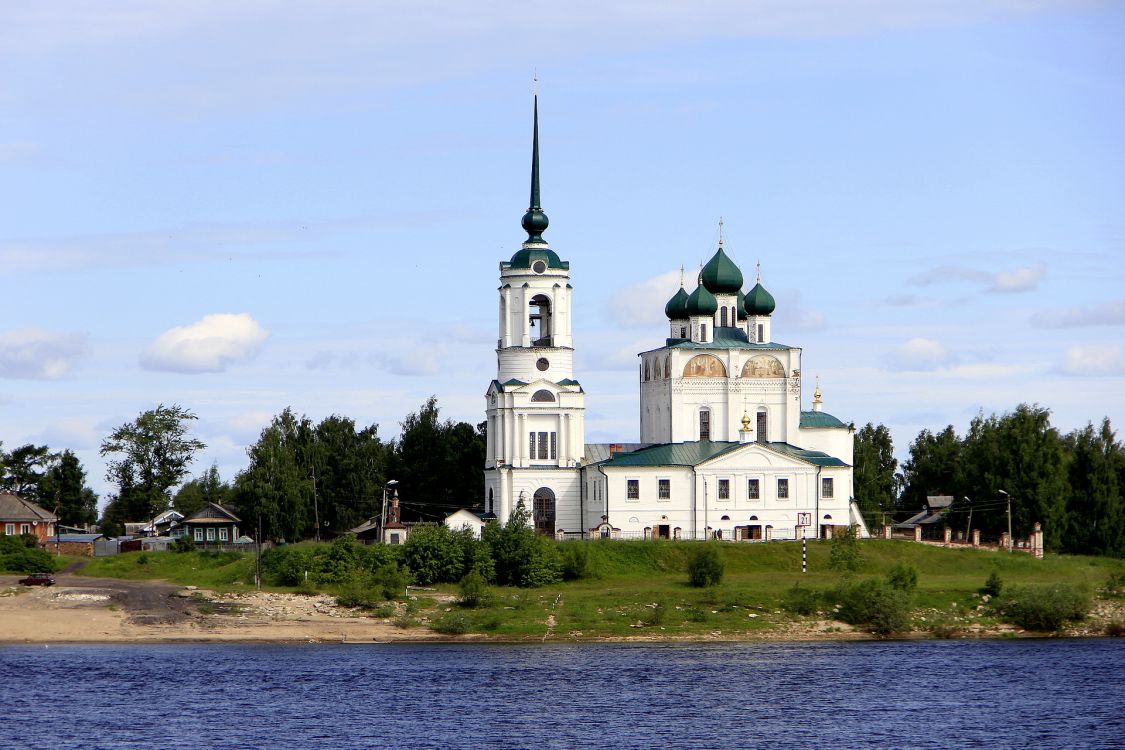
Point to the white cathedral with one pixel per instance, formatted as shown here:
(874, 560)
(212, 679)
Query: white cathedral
(726, 450)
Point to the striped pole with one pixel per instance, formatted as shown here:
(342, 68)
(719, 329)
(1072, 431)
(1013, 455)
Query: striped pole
(804, 555)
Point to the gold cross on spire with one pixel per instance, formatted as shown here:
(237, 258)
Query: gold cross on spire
(720, 231)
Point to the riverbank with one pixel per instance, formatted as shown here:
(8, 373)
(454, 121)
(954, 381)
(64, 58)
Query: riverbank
(101, 610)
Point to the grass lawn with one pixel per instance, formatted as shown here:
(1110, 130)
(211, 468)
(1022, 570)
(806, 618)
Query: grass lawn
(641, 588)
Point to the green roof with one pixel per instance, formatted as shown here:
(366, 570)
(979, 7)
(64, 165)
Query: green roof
(568, 381)
(525, 257)
(677, 306)
(701, 302)
(819, 419)
(721, 275)
(725, 338)
(697, 452)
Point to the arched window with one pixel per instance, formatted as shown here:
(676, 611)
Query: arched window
(490, 500)
(763, 432)
(705, 366)
(646, 370)
(543, 396)
(543, 511)
(704, 424)
(723, 317)
(539, 320)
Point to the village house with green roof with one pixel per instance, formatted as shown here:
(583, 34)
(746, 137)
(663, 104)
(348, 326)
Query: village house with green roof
(725, 449)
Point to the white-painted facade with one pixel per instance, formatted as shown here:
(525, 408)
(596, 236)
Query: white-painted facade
(726, 450)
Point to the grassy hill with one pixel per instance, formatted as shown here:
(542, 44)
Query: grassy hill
(639, 588)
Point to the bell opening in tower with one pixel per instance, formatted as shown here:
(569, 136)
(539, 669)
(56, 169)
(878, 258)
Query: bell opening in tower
(539, 320)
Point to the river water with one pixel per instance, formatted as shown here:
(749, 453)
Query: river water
(897, 694)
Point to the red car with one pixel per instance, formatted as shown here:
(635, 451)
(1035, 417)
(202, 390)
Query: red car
(38, 579)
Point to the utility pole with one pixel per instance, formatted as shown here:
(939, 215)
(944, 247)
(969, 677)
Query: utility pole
(1009, 497)
(969, 526)
(316, 509)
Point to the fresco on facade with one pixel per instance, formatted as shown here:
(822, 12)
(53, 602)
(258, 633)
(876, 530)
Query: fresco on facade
(763, 366)
(704, 366)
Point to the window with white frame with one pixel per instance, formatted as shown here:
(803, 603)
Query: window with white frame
(724, 489)
(704, 424)
(782, 489)
(542, 446)
(632, 489)
(224, 535)
(664, 489)
(10, 529)
(826, 487)
(198, 535)
(754, 489)
(25, 528)
(210, 535)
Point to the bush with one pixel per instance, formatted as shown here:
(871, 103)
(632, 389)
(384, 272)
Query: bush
(1115, 584)
(993, 586)
(433, 555)
(1044, 608)
(1115, 628)
(182, 544)
(845, 555)
(705, 565)
(903, 577)
(286, 566)
(522, 556)
(142, 558)
(21, 559)
(874, 605)
(474, 589)
(452, 623)
(653, 614)
(390, 580)
(358, 594)
(801, 601)
(576, 561)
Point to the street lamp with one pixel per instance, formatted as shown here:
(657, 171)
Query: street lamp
(1009, 498)
(969, 526)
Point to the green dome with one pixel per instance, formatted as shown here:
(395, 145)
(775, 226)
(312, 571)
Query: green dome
(759, 301)
(740, 306)
(525, 258)
(676, 309)
(701, 302)
(721, 275)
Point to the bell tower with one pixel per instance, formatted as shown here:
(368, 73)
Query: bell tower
(535, 407)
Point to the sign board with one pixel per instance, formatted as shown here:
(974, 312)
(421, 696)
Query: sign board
(804, 519)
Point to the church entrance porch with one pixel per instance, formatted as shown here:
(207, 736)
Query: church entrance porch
(543, 511)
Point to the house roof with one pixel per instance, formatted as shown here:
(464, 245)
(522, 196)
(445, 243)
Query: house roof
(212, 513)
(725, 338)
(15, 508)
(368, 525)
(696, 452)
(819, 419)
(933, 502)
(75, 538)
(598, 452)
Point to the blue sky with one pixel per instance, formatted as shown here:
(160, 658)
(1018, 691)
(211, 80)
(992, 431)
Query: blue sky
(244, 206)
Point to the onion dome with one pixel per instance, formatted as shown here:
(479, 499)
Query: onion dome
(740, 306)
(759, 301)
(721, 275)
(676, 309)
(701, 302)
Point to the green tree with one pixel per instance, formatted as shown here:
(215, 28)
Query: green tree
(1095, 505)
(206, 488)
(64, 486)
(875, 478)
(438, 463)
(932, 469)
(276, 489)
(152, 453)
(1022, 454)
(22, 471)
(522, 556)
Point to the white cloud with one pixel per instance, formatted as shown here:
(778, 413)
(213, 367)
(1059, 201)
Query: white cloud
(643, 303)
(920, 354)
(211, 344)
(1108, 314)
(1095, 359)
(946, 274)
(35, 354)
(1019, 280)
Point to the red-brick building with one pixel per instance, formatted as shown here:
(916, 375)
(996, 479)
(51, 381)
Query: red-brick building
(19, 516)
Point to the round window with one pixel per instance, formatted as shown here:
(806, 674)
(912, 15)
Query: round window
(539, 266)
(542, 364)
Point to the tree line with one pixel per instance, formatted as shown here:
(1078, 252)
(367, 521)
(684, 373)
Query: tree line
(54, 480)
(1074, 483)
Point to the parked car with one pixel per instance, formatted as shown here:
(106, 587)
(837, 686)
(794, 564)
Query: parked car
(38, 579)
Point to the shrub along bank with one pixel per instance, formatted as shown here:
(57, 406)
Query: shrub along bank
(512, 584)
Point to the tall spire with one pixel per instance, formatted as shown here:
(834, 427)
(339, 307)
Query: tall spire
(535, 221)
